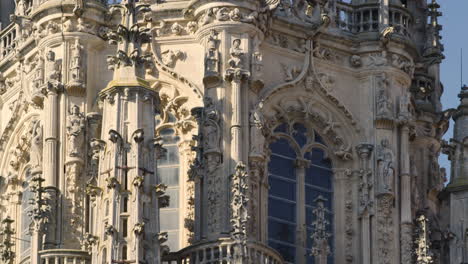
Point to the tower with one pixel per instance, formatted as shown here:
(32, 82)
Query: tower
(247, 131)
(457, 190)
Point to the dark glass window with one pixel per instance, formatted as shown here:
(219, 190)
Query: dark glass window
(283, 180)
(168, 172)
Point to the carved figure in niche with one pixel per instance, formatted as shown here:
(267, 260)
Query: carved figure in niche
(257, 140)
(404, 113)
(236, 54)
(385, 166)
(212, 56)
(53, 68)
(210, 127)
(169, 57)
(76, 63)
(75, 132)
(38, 77)
(36, 147)
(384, 106)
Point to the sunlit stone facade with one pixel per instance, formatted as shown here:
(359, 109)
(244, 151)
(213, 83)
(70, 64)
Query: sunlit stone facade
(249, 131)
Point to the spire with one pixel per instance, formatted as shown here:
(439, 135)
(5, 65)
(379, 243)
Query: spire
(433, 46)
(129, 36)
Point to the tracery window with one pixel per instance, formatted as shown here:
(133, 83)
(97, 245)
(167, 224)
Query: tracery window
(300, 208)
(168, 171)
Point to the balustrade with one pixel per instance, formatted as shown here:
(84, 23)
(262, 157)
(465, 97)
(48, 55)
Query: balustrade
(365, 18)
(64, 256)
(222, 252)
(7, 40)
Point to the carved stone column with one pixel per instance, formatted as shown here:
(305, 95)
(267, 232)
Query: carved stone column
(366, 201)
(301, 235)
(406, 233)
(236, 75)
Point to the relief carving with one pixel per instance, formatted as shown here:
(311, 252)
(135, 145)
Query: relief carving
(384, 106)
(77, 75)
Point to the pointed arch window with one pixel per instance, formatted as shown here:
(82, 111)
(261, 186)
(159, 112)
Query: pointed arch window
(300, 208)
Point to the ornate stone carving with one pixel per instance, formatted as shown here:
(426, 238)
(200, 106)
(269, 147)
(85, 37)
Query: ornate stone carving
(239, 211)
(290, 71)
(7, 255)
(53, 69)
(89, 241)
(320, 235)
(170, 57)
(239, 203)
(423, 254)
(3, 85)
(75, 131)
(403, 64)
(385, 167)
(385, 229)
(355, 61)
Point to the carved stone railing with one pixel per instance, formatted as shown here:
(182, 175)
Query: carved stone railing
(365, 18)
(222, 251)
(8, 40)
(64, 256)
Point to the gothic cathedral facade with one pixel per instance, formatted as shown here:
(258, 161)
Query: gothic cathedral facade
(248, 131)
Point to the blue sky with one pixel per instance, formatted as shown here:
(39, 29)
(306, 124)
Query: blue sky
(455, 36)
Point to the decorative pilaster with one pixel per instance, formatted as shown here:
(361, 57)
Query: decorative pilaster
(366, 201)
(423, 254)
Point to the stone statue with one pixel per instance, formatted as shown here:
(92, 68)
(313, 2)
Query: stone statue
(38, 78)
(385, 166)
(75, 132)
(36, 147)
(236, 54)
(257, 140)
(212, 56)
(210, 126)
(383, 104)
(53, 68)
(76, 64)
